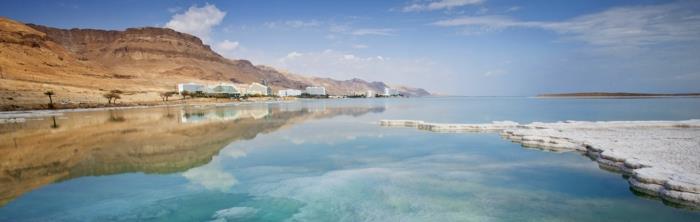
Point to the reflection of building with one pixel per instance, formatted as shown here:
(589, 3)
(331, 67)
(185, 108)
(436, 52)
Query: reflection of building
(390, 92)
(195, 116)
(256, 113)
(289, 92)
(190, 87)
(316, 90)
(151, 141)
(257, 89)
(290, 107)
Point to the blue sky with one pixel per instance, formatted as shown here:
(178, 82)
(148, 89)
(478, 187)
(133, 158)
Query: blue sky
(457, 47)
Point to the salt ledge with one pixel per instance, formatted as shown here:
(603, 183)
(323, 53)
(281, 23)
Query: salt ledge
(661, 158)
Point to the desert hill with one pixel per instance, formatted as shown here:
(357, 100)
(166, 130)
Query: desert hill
(82, 64)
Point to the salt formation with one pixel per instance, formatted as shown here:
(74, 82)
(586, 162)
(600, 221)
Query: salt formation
(661, 158)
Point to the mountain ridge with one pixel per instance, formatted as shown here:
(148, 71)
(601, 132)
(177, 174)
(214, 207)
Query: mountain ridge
(82, 64)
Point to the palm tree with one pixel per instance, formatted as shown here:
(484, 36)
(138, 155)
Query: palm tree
(50, 94)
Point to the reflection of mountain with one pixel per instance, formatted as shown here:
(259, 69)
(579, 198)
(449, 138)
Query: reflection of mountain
(34, 153)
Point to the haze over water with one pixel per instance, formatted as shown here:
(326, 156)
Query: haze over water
(319, 160)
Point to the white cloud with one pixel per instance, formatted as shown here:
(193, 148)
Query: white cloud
(439, 5)
(174, 9)
(380, 31)
(293, 24)
(293, 55)
(617, 27)
(495, 72)
(360, 46)
(345, 65)
(227, 45)
(197, 21)
(348, 30)
(513, 9)
(688, 76)
(302, 24)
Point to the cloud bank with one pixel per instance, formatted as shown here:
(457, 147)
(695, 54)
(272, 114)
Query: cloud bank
(633, 26)
(197, 21)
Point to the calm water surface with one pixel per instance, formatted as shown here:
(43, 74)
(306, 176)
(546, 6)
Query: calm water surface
(323, 160)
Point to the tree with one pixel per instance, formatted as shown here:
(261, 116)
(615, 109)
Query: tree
(2, 75)
(184, 94)
(113, 96)
(165, 95)
(50, 94)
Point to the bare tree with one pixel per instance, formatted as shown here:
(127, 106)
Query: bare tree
(50, 94)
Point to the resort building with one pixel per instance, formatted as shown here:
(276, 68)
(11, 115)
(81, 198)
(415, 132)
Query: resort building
(369, 94)
(190, 87)
(257, 89)
(316, 90)
(224, 89)
(391, 92)
(289, 92)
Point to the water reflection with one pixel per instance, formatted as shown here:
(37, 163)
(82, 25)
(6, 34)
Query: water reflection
(139, 140)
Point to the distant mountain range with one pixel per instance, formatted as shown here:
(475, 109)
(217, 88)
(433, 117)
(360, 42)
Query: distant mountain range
(82, 64)
(615, 94)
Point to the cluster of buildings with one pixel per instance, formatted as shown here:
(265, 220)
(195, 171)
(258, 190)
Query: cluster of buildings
(311, 91)
(227, 89)
(391, 92)
(253, 89)
(388, 92)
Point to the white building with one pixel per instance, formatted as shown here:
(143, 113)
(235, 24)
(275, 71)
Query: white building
(316, 90)
(190, 87)
(391, 92)
(224, 88)
(369, 94)
(289, 92)
(257, 89)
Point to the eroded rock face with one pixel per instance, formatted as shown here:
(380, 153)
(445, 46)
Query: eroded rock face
(141, 61)
(662, 158)
(119, 49)
(134, 43)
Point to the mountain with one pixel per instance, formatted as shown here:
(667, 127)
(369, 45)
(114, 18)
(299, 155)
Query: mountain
(614, 94)
(82, 64)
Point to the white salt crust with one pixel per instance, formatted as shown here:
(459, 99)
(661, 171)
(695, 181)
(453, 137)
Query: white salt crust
(662, 158)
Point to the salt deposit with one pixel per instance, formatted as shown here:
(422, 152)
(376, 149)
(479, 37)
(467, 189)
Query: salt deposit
(662, 158)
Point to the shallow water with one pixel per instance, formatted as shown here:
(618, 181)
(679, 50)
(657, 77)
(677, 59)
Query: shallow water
(318, 160)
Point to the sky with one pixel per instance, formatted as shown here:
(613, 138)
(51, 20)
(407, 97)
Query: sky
(450, 47)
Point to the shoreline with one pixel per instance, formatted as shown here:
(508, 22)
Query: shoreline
(8, 116)
(662, 167)
(614, 97)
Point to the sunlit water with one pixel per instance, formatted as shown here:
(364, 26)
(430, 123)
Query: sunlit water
(322, 160)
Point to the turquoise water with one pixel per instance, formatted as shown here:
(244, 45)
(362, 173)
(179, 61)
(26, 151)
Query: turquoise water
(319, 160)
